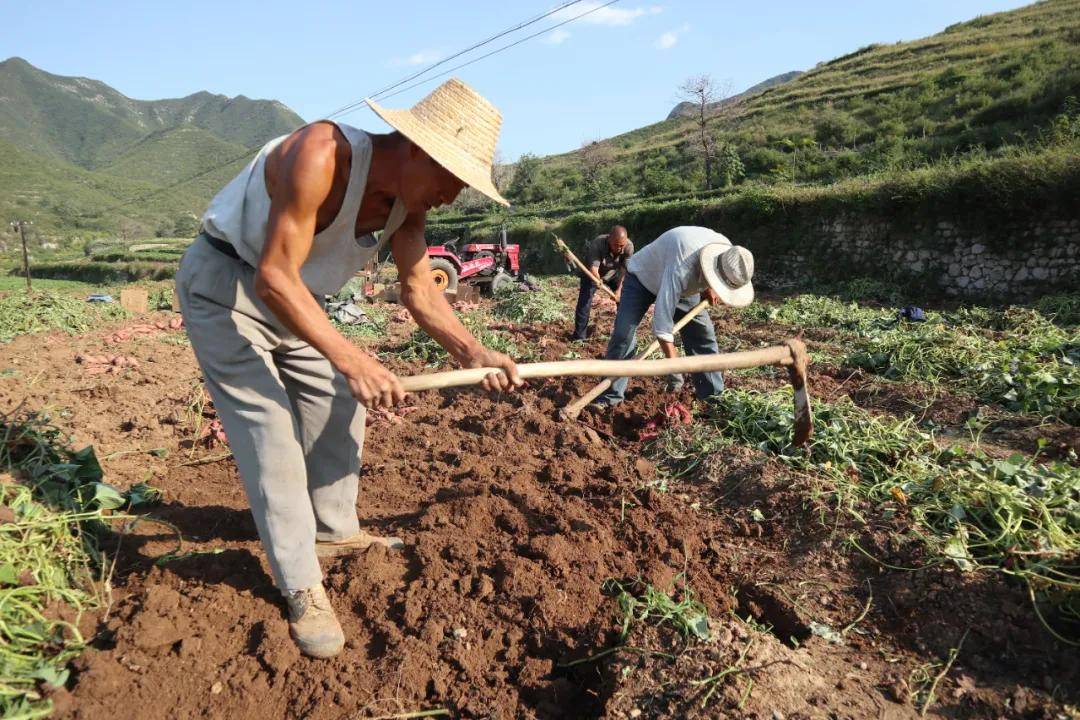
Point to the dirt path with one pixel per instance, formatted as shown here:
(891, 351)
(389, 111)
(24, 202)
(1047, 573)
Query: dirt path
(499, 608)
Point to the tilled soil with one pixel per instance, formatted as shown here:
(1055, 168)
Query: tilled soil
(500, 606)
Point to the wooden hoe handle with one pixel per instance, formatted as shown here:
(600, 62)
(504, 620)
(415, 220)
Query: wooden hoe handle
(777, 355)
(792, 354)
(581, 266)
(571, 411)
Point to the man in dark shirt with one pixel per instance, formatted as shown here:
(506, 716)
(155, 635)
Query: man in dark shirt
(606, 258)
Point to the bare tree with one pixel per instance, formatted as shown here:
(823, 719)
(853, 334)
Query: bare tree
(130, 230)
(703, 92)
(502, 172)
(470, 200)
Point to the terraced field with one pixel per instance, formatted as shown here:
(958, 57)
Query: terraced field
(917, 559)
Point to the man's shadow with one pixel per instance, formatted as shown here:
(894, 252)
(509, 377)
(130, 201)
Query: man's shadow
(183, 539)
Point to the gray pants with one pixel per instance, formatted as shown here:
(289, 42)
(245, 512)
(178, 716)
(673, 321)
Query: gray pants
(294, 428)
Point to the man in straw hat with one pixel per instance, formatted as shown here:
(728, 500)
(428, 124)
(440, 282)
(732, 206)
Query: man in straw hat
(291, 392)
(672, 272)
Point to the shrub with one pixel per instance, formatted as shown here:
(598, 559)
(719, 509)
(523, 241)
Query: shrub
(104, 273)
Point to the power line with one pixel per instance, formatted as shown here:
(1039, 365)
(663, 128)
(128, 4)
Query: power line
(246, 154)
(445, 60)
(499, 50)
(353, 106)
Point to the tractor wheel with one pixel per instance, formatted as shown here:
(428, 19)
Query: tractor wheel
(444, 274)
(500, 280)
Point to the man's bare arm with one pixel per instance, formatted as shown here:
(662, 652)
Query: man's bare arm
(305, 179)
(669, 348)
(433, 313)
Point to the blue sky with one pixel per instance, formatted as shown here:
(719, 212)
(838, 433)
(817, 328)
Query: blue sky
(612, 71)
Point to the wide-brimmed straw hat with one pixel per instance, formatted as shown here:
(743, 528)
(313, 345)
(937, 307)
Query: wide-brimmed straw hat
(457, 127)
(728, 270)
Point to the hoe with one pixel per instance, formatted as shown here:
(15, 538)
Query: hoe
(792, 355)
(571, 257)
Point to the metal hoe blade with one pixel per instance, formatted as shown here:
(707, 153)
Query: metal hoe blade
(804, 416)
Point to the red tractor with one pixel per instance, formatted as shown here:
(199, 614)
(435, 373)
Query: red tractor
(486, 265)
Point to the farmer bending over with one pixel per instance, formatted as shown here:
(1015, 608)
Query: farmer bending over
(672, 272)
(291, 392)
(606, 257)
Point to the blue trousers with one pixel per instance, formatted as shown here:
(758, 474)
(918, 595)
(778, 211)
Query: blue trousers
(584, 304)
(698, 338)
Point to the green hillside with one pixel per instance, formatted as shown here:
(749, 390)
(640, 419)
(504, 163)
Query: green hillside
(982, 86)
(70, 119)
(56, 196)
(79, 158)
(88, 123)
(171, 156)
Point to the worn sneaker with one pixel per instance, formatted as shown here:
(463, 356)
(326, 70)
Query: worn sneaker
(312, 622)
(360, 541)
(675, 383)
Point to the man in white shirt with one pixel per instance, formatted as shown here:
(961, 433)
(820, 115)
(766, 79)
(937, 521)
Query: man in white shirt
(673, 272)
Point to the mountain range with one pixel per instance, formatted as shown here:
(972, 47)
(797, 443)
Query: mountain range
(79, 158)
(76, 154)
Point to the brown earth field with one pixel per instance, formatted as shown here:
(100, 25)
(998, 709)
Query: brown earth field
(520, 531)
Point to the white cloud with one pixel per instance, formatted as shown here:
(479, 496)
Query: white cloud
(667, 40)
(557, 37)
(611, 16)
(670, 39)
(422, 57)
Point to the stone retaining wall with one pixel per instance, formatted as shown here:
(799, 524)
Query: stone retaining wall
(970, 260)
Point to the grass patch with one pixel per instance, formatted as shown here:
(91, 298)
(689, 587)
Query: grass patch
(1017, 516)
(639, 603)
(1017, 357)
(863, 290)
(21, 314)
(518, 304)
(378, 318)
(1031, 367)
(422, 347)
(642, 603)
(1061, 309)
(819, 311)
(123, 256)
(104, 273)
(17, 283)
(49, 558)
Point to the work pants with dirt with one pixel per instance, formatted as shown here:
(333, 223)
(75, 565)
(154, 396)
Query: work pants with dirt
(584, 303)
(698, 338)
(294, 428)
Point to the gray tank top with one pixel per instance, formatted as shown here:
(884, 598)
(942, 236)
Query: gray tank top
(239, 214)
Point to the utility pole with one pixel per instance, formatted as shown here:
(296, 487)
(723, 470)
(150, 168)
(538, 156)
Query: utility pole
(21, 224)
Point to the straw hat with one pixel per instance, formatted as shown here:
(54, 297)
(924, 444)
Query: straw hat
(728, 270)
(457, 127)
